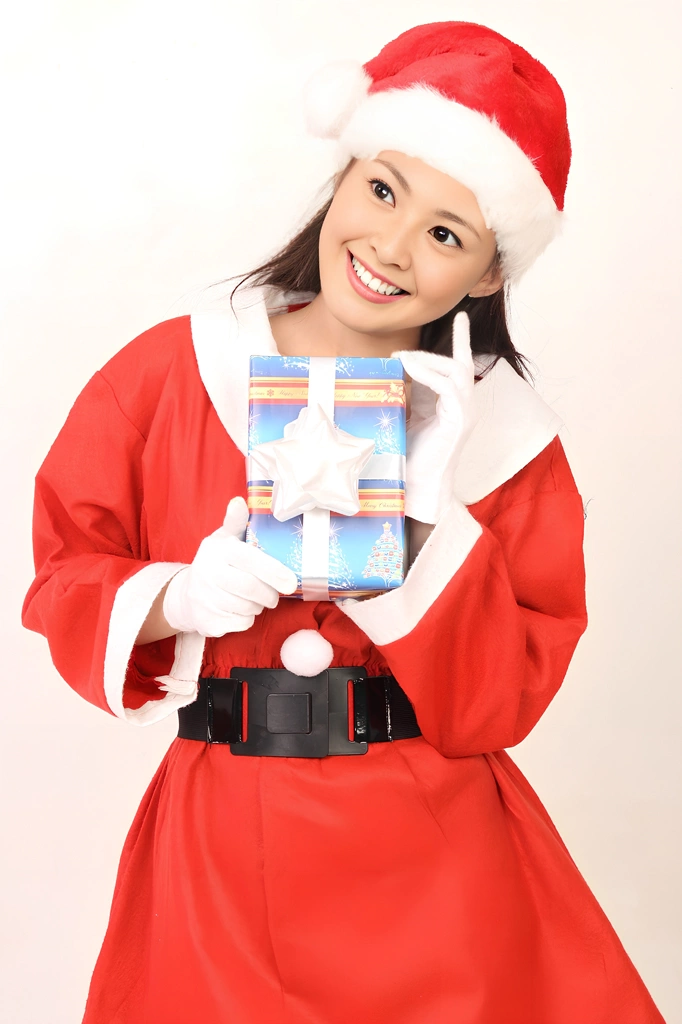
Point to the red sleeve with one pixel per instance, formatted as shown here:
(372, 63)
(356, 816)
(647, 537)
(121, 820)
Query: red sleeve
(481, 633)
(94, 581)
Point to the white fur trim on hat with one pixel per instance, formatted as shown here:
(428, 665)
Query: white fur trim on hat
(306, 653)
(464, 143)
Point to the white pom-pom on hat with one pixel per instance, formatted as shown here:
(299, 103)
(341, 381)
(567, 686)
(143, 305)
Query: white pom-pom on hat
(306, 653)
(330, 96)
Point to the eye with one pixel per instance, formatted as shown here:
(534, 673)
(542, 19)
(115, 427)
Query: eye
(377, 187)
(382, 185)
(447, 231)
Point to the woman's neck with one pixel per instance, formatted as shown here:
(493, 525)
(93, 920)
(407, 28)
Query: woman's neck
(313, 331)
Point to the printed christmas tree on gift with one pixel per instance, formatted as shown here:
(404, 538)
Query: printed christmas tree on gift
(251, 537)
(340, 575)
(386, 438)
(254, 439)
(295, 556)
(385, 560)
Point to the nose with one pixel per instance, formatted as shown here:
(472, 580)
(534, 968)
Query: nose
(392, 247)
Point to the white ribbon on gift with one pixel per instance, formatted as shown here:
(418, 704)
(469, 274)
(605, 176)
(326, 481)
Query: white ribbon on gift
(316, 519)
(315, 531)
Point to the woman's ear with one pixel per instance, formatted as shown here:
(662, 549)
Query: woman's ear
(490, 283)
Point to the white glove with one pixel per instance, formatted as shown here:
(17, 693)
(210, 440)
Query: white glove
(228, 583)
(434, 443)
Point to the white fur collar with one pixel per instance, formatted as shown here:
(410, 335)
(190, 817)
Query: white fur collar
(513, 423)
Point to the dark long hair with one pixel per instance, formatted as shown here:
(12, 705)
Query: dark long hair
(296, 268)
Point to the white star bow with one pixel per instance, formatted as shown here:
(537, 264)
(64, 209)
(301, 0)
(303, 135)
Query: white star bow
(315, 465)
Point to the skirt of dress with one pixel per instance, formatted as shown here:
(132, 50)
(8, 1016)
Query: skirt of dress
(398, 887)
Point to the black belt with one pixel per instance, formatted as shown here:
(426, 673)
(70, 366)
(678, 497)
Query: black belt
(272, 712)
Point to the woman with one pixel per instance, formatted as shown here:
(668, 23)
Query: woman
(421, 882)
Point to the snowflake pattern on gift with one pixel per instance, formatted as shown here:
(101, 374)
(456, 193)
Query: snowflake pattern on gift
(373, 366)
(385, 560)
(344, 367)
(301, 363)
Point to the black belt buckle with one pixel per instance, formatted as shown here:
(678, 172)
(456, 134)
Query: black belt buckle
(301, 716)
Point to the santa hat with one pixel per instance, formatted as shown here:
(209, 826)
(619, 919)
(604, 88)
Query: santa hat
(470, 103)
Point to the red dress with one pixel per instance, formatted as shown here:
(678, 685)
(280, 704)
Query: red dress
(421, 883)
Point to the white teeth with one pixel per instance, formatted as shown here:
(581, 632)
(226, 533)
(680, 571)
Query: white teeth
(373, 282)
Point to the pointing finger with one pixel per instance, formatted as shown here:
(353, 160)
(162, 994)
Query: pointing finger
(461, 344)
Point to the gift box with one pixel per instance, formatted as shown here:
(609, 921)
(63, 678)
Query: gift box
(326, 471)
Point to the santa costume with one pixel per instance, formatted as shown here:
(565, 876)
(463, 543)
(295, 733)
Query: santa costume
(422, 882)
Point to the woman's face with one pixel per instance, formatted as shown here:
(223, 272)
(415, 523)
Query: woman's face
(413, 226)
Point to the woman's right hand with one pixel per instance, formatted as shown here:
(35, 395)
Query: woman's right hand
(228, 583)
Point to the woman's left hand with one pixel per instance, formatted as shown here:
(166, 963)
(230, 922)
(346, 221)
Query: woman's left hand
(434, 444)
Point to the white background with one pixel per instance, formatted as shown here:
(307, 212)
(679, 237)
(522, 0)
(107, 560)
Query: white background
(152, 148)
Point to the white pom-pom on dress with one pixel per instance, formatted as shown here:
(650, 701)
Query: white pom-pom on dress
(306, 653)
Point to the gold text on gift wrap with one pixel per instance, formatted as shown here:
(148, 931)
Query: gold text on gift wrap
(374, 501)
(294, 391)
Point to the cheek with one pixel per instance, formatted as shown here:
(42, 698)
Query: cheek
(445, 281)
(343, 223)
(331, 248)
(441, 283)
(328, 236)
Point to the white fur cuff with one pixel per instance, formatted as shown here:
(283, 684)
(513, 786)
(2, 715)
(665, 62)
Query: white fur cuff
(132, 604)
(392, 616)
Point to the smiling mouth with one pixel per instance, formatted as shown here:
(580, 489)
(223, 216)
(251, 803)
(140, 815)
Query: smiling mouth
(374, 283)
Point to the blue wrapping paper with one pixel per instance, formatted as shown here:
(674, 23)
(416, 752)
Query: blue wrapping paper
(365, 553)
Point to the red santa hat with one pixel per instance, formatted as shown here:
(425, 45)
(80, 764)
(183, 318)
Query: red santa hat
(470, 103)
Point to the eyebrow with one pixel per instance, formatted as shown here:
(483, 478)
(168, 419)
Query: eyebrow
(439, 213)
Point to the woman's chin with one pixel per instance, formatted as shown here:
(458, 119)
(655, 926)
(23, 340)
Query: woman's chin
(352, 315)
